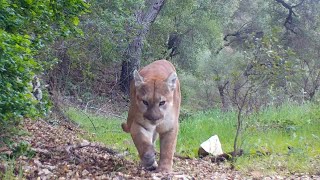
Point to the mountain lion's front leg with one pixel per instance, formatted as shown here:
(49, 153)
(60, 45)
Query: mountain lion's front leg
(168, 142)
(143, 140)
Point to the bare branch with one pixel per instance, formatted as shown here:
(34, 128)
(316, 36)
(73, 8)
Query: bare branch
(288, 22)
(244, 32)
(294, 6)
(237, 33)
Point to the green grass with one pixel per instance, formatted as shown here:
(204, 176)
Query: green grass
(10, 170)
(105, 130)
(277, 139)
(198, 128)
(292, 136)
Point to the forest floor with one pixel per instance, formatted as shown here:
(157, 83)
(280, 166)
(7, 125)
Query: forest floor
(62, 154)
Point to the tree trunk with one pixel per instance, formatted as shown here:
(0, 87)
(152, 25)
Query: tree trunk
(131, 62)
(132, 57)
(221, 88)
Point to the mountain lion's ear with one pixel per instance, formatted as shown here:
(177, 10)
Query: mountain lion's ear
(138, 80)
(171, 81)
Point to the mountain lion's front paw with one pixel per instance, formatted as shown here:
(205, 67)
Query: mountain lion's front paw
(164, 169)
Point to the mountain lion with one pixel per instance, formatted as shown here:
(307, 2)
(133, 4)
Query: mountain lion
(154, 109)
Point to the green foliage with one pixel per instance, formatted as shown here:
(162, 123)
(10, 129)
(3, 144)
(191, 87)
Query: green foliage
(17, 69)
(25, 27)
(110, 27)
(92, 59)
(250, 33)
(197, 26)
(190, 87)
(43, 20)
(23, 149)
(20, 149)
(13, 150)
(10, 172)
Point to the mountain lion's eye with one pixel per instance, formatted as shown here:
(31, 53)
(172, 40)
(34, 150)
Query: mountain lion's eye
(162, 103)
(145, 102)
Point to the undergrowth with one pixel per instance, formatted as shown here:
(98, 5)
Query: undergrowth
(283, 139)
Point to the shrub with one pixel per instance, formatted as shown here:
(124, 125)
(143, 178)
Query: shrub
(25, 26)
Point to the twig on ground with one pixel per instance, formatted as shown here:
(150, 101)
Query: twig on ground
(90, 120)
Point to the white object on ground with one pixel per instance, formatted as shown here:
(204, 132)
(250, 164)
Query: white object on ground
(212, 145)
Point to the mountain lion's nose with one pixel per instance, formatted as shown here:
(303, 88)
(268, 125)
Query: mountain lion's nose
(153, 115)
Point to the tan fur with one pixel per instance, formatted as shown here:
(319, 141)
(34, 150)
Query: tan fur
(148, 116)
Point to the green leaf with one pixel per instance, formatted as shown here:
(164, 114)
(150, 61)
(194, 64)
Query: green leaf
(21, 69)
(75, 21)
(29, 1)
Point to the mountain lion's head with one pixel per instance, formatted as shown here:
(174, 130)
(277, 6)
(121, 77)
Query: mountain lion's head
(154, 96)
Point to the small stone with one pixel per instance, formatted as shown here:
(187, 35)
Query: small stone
(85, 143)
(85, 172)
(267, 178)
(102, 177)
(256, 174)
(143, 172)
(37, 162)
(182, 177)
(44, 172)
(50, 167)
(155, 178)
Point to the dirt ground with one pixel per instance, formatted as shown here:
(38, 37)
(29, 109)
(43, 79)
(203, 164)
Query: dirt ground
(61, 154)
